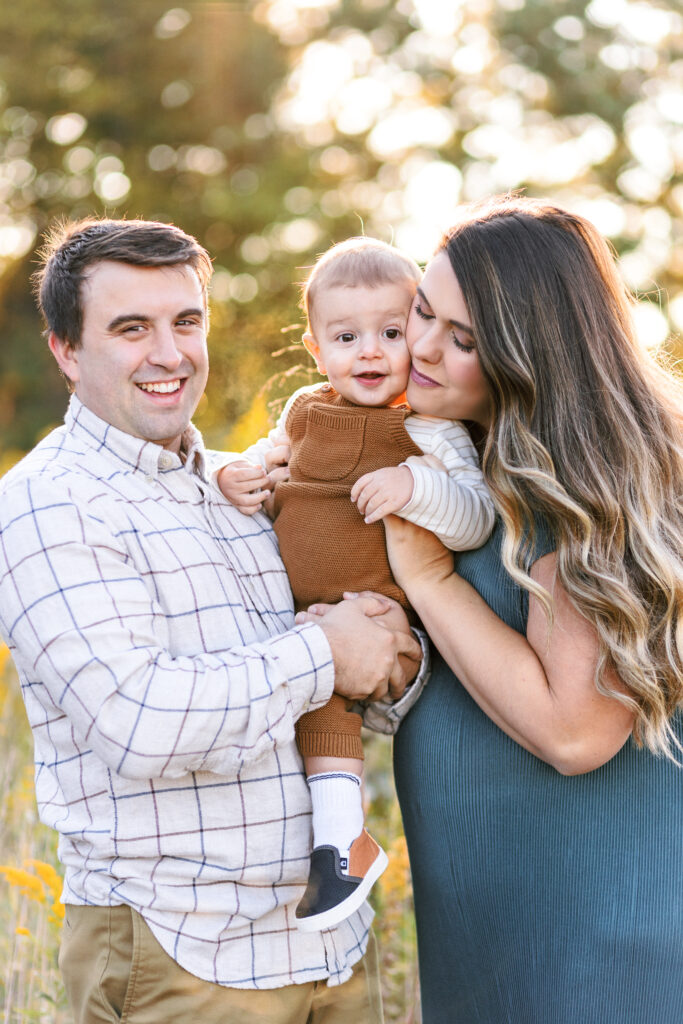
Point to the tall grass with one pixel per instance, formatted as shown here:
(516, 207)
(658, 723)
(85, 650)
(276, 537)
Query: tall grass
(31, 915)
(30, 911)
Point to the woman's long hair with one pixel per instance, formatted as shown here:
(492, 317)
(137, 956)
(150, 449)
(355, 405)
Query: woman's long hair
(585, 438)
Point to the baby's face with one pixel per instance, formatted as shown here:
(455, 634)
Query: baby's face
(359, 341)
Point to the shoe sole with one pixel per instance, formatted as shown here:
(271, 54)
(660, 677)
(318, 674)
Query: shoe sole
(335, 915)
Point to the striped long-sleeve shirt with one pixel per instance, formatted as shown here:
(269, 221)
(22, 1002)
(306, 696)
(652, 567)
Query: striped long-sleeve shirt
(449, 497)
(152, 628)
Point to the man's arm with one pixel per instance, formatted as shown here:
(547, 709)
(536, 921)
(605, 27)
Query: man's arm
(88, 631)
(369, 665)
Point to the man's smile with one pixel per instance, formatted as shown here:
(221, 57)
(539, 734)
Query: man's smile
(163, 387)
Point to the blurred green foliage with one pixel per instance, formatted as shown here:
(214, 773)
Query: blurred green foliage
(271, 128)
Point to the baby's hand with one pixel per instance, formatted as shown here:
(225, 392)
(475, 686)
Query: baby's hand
(277, 463)
(244, 485)
(380, 493)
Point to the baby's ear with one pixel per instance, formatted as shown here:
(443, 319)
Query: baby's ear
(314, 348)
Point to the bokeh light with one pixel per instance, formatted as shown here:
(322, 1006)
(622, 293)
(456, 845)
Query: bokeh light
(66, 128)
(272, 128)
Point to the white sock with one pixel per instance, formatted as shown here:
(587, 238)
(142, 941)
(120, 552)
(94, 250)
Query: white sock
(337, 809)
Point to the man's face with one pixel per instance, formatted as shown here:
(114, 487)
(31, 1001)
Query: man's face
(142, 364)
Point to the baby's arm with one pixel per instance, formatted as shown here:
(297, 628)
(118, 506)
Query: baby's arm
(244, 479)
(247, 478)
(244, 485)
(453, 501)
(382, 492)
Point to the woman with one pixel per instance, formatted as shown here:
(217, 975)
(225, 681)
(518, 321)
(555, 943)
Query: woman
(539, 774)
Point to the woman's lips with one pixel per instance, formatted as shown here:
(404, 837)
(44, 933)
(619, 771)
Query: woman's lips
(421, 380)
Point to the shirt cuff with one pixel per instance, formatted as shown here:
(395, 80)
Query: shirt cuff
(306, 660)
(216, 461)
(415, 504)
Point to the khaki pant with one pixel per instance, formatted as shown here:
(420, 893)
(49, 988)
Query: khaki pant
(115, 971)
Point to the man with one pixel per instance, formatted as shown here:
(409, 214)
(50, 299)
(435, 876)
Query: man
(152, 627)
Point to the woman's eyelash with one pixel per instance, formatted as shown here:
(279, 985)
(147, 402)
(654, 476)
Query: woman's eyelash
(456, 340)
(460, 344)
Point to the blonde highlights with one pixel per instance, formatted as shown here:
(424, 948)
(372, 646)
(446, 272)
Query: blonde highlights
(585, 438)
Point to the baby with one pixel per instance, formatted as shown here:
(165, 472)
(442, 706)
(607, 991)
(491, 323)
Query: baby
(353, 446)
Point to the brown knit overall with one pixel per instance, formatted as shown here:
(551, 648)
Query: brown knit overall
(326, 546)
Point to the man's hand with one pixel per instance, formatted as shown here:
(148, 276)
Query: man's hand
(374, 650)
(390, 615)
(244, 485)
(382, 492)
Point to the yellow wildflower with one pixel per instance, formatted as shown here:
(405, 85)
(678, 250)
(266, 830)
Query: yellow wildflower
(28, 884)
(56, 915)
(21, 931)
(44, 886)
(396, 879)
(47, 874)
(53, 881)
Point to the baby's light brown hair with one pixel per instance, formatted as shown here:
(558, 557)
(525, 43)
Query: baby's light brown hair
(357, 262)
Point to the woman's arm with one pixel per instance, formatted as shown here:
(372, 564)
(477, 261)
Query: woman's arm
(539, 689)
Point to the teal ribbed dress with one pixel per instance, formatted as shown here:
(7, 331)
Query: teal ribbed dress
(540, 898)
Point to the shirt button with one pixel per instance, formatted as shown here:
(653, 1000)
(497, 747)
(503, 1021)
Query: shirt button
(165, 460)
(150, 480)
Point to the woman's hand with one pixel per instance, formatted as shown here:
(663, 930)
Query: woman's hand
(417, 558)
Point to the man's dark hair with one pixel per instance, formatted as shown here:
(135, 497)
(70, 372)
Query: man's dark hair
(72, 248)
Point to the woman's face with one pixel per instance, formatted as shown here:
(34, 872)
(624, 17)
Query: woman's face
(446, 378)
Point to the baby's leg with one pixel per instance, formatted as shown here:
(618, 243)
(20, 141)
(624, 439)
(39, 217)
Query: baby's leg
(336, 798)
(330, 743)
(346, 860)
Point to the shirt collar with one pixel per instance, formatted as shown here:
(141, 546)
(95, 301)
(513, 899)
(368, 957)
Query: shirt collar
(137, 455)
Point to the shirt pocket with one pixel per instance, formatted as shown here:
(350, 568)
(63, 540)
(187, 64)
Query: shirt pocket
(332, 444)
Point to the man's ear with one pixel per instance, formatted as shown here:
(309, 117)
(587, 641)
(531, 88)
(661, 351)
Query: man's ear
(314, 348)
(66, 356)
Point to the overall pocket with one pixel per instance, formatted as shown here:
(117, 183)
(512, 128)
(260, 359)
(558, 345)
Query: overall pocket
(332, 444)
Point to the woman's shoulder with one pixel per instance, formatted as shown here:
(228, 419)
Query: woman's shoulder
(539, 541)
(483, 568)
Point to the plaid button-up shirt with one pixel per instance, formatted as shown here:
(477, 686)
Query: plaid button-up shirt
(152, 627)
